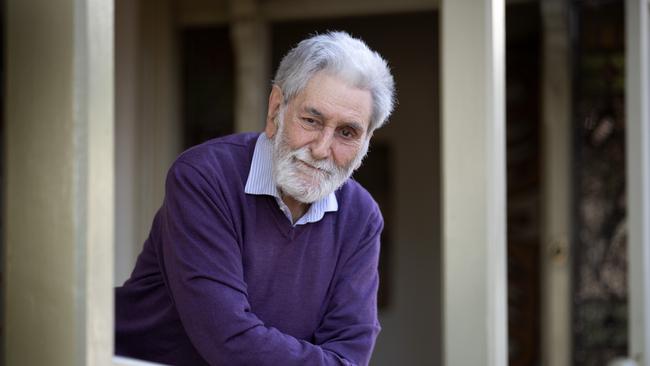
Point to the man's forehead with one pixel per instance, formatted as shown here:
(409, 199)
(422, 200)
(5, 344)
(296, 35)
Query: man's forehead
(325, 94)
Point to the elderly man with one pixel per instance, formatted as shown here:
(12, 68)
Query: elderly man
(264, 252)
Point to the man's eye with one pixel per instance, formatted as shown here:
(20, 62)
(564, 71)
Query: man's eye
(309, 121)
(347, 133)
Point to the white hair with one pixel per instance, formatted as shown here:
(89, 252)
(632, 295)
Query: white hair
(344, 56)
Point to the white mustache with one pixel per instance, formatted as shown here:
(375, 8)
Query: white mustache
(327, 166)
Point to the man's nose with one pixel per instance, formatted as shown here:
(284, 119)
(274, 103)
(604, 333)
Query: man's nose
(321, 147)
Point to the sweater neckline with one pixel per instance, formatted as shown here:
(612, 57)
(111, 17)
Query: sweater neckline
(282, 224)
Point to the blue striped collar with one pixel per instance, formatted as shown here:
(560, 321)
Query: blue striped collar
(260, 182)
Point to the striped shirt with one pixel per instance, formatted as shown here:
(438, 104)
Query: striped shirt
(260, 182)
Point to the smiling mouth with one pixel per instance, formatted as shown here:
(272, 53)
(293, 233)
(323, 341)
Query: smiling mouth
(311, 166)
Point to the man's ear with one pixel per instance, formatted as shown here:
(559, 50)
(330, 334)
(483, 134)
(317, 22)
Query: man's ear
(275, 103)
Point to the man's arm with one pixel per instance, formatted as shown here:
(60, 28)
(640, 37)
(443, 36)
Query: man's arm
(204, 272)
(350, 324)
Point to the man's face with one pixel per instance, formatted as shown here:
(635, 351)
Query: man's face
(323, 136)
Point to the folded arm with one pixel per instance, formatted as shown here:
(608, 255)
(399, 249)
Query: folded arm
(204, 272)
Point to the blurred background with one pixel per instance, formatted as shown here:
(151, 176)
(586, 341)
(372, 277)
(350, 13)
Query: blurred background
(190, 70)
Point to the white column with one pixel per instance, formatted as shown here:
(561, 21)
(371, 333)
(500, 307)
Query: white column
(474, 183)
(251, 39)
(556, 185)
(96, 92)
(637, 97)
(59, 188)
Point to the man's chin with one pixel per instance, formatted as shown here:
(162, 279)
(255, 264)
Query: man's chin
(307, 189)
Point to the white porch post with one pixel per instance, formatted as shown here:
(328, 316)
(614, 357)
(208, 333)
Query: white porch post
(251, 40)
(637, 97)
(474, 185)
(59, 188)
(556, 185)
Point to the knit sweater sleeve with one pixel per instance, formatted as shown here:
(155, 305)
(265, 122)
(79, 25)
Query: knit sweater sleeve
(350, 324)
(202, 263)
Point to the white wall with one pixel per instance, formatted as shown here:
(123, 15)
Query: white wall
(126, 107)
(411, 322)
(148, 136)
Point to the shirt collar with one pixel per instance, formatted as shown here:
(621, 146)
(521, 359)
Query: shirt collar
(260, 182)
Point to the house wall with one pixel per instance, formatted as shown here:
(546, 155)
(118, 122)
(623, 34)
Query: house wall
(148, 134)
(411, 322)
(126, 122)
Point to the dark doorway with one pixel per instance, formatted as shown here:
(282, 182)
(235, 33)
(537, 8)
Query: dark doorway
(208, 86)
(523, 24)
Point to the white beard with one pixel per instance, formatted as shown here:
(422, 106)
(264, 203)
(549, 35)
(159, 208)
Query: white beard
(305, 184)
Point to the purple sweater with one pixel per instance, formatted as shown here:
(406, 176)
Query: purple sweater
(225, 279)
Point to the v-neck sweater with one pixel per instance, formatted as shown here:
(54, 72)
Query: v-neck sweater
(225, 279)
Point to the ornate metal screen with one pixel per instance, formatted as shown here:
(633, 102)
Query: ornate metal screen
(599, 252)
